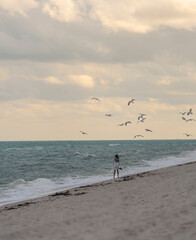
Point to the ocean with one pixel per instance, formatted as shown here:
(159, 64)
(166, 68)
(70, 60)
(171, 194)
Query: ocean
(37, 168)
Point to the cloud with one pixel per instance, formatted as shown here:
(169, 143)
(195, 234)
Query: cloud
(144, 16)
(130, 15)
(63, 11)
(155, 106)
(181, 93)
(3, 74)
(66, 82)
(66, 52)
(53, 80)
(88, 41)
(18, 6)
(166, 82)
(83, 80)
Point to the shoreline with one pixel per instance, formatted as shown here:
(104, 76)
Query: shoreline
(61, 191)
(158, 204)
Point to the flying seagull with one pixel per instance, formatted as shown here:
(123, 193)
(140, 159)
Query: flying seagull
(128, 122)
(125, 123)
(121, 124)
(108, 114)
(183, 118)
(190, 112)
(83, 132)
(142, 120)
(95, 98)
(187, 113)
(191, 119)
(138, 136)
(131, 101)
(188, 135)
(182, 113)
(148, 130)
(141, 116)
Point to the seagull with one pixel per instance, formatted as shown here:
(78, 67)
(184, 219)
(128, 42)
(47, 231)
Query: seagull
(142, 120)
(187, 113)
(141, 116)
(131, 101)
(97, 99)
(108, 114)
(126, 123)
(148, 130)
(191, 119)
(183, 118)
(182, 113)
(190, 112)
(188, 135)
(138, 136)
(121, 124)
(83, 132)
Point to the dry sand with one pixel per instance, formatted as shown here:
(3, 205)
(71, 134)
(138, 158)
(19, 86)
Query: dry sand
(160, 204)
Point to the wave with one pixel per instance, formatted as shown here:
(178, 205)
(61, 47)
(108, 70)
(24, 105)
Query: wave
(22, 190)
(11, 149)
(85, 155)
(184, 157)
(88, 155)
(162, 162)
(23, 149)
(113, 144)
(17, 182)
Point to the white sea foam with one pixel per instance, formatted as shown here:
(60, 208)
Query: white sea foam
(114, 144)
(17, 182)
(39, 148)
(11, 149)
(41, 187)
(88, 155)
(77, 153)
(173, 160)
(162, 162)
(23, 149)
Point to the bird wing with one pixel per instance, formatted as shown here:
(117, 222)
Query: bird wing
(131, 101)
(83, 132)
(94, 98)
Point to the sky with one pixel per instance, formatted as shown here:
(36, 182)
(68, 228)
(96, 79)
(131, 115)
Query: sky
(56, 55)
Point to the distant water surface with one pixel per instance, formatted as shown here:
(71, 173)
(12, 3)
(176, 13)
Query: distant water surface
(32, 169)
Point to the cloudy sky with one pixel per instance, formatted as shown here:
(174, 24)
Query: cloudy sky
(55, 55)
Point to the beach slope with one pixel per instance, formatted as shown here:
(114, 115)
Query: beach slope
(160, 204)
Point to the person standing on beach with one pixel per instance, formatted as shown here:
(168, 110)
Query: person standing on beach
(116, 165)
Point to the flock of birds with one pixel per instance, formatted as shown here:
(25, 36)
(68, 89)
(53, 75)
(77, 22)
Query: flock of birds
(142, 117)
(185, 119)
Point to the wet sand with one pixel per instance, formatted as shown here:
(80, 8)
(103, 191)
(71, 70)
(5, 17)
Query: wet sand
(159, 204)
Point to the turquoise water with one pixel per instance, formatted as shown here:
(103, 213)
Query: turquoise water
(31, 169)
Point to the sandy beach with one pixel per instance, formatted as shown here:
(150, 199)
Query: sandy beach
(160, 204)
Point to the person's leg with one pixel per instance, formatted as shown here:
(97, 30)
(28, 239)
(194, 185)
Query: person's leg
(114, 173)
(118, 173)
